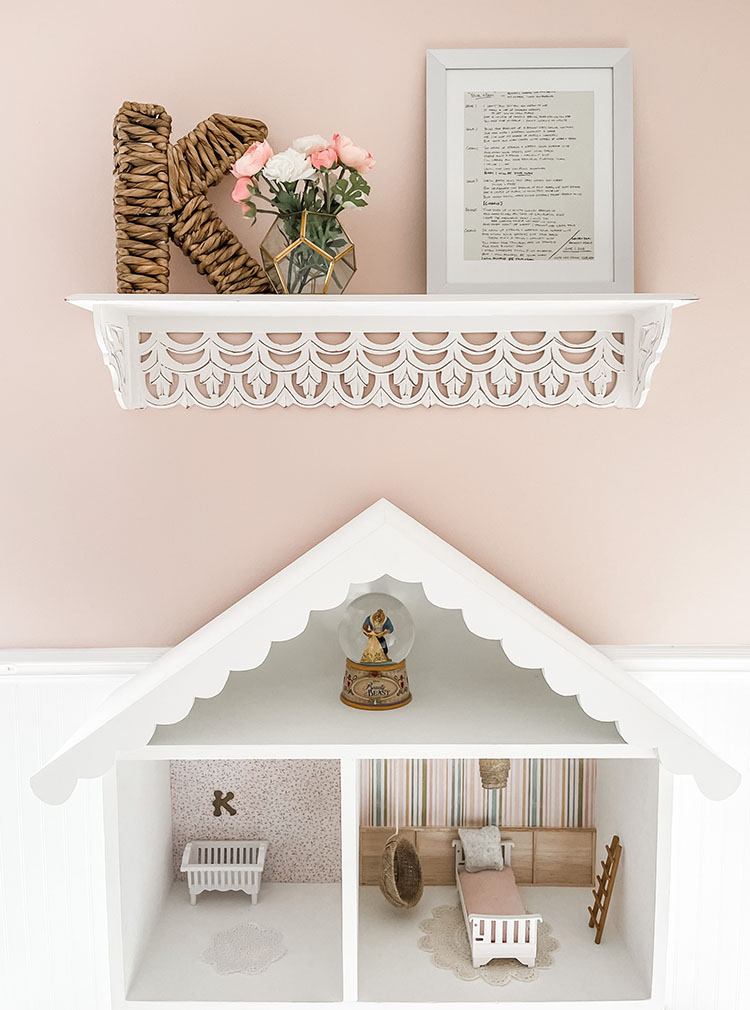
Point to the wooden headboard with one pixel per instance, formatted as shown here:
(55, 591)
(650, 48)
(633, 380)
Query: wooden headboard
(562, 857)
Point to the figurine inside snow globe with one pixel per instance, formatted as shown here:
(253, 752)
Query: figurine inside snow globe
(376, 634)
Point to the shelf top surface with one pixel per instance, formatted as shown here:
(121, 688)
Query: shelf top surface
(374, 305)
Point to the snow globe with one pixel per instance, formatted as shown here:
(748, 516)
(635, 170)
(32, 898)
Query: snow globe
(376, 634)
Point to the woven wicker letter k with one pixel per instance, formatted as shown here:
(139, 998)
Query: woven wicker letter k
(160, 194)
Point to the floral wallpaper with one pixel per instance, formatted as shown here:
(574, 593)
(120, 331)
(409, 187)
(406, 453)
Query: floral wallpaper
(294, 805)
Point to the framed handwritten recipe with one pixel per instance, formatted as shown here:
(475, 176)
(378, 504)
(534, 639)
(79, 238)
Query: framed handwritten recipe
(529, 171)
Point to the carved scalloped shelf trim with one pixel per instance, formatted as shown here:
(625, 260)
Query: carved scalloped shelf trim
(386, 350)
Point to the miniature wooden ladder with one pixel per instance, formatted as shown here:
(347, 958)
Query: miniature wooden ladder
(603, 892)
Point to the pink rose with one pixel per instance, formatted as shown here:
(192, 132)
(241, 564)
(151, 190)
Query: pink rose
(351, 155)
(252, 160)
(241, 189)
(326, 158)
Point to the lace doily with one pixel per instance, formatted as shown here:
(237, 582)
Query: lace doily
(445, 938)
(248, 948)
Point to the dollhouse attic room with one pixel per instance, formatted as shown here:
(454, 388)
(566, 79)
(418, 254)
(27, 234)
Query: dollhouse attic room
(363, 822)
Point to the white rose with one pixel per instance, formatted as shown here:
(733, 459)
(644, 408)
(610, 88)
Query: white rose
(288, 166)
(309, 145)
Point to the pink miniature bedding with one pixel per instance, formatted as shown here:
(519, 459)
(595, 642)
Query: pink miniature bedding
(491, 892)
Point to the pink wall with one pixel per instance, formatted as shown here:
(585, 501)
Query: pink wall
(121, 528)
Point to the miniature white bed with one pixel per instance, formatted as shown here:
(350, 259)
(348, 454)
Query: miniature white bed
(224, 866)
(497, 923)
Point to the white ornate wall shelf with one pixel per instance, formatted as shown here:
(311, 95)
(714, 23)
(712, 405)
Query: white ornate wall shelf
(397, 350)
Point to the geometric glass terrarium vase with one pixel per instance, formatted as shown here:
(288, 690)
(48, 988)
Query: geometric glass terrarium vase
(308, 253)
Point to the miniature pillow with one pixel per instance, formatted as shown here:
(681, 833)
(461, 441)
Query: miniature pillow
(482, 848)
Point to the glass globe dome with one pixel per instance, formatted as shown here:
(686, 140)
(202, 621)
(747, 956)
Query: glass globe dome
(392, 645)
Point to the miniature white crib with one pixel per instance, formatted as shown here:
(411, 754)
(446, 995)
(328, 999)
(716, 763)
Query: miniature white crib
(224, 866)
(495, 929)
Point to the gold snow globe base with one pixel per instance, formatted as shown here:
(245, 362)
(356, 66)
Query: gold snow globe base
(376, 685)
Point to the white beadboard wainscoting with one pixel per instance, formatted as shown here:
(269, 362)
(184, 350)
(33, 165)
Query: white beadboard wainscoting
(710, 689)
(53, 946)
(53, 925)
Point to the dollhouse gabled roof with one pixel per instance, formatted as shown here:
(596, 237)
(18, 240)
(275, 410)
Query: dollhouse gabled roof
(380, 541)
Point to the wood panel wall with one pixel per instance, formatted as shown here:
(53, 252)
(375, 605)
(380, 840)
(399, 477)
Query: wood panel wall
(561, 857)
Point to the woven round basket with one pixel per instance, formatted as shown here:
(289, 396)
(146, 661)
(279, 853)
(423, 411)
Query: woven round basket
(401, 875)
(494, 772)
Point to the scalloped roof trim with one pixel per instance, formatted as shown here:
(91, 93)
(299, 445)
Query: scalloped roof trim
(241, 637)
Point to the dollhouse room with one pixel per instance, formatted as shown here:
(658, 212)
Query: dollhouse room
(185, 929)
(554, 826)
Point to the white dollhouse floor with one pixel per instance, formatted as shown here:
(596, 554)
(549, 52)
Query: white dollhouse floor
(308, 916)
(393, 968)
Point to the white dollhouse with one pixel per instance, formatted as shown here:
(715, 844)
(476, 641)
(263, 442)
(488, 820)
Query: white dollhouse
(257, 689)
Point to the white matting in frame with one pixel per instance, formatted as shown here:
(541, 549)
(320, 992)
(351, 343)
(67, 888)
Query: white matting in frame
(529, 171)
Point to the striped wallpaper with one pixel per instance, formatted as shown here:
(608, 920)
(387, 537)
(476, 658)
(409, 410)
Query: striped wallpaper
(541, 793)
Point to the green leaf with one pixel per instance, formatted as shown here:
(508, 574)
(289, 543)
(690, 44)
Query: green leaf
(287, 203)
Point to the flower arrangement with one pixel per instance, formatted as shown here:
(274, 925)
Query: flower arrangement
(313, 161)
(306, 187)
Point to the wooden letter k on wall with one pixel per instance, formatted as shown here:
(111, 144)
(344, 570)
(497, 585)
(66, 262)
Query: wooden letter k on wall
(220, 802)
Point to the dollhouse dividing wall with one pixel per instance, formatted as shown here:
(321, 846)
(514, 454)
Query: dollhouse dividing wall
(144, 839)
(627, 804)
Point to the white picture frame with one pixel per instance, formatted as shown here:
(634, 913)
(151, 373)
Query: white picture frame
(603, 260)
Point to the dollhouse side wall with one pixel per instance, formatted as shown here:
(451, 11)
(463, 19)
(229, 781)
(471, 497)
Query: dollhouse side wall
(145, 853)
(627, 800)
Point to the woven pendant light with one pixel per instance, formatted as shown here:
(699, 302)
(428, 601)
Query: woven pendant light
(494, 772)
